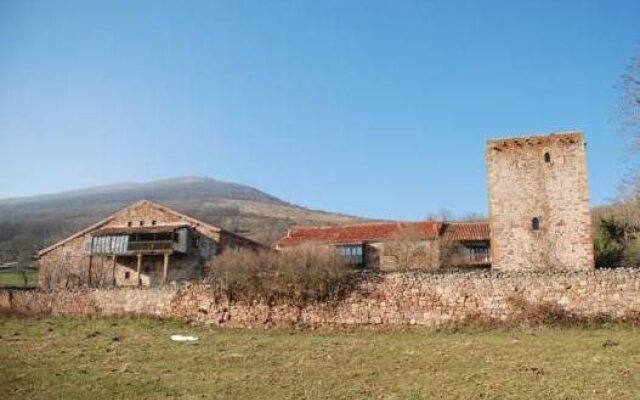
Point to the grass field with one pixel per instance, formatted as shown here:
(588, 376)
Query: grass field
(15, 278)
(108, 359)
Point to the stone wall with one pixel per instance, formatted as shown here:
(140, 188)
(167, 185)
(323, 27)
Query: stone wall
(542, 177)
(382, 300)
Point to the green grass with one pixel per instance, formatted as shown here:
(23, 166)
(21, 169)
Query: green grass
(107, 359)
(15, 278)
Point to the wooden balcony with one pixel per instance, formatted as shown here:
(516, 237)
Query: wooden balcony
(163, 245)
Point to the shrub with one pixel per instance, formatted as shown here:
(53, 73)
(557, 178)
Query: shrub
(299, 275)
(616, 245)
(609, 243)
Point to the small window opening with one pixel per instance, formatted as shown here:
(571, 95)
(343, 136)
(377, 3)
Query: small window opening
(535, 223)
(127, 275)
(153, 222)
(141, 223)
(196, 241)
(547, 157)
(129, 223)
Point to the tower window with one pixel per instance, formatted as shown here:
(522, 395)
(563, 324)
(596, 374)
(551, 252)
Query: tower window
(141, 223)
(153, 222)
(129, 223)
(535, 224)
(547, 157)
(127, 275)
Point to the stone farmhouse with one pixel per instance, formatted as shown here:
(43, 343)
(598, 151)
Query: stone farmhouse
(539, 219)
(408, 245)
(144, 244)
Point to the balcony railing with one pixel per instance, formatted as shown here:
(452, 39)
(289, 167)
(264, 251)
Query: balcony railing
(151, 245)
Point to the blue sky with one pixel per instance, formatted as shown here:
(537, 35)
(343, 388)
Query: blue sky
(374, 108)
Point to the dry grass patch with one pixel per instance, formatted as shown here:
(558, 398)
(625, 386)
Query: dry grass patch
(134, 358)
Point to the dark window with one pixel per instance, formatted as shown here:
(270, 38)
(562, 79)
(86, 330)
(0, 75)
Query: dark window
(127, 275)
(145, 237)
(129, 223)
(535, 223)
(141, 223)
(153, 222)
(164, 236)
(195, 241)
(352, 252)
(547, 157)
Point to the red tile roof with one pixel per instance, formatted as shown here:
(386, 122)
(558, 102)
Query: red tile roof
(361, 233)
(461, 231)
(386, 231)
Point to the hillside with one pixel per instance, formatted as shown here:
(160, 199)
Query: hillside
(30, 223)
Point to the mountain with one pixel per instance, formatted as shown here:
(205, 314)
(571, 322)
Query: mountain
(168, 189)
(31, 223)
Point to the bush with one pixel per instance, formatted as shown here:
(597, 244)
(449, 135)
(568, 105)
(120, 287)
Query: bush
(299, 275)
(615, 245)
(609, 243)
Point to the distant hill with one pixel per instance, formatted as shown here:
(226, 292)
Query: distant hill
(31, 223)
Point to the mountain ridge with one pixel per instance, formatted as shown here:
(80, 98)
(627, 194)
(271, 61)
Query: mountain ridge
(213, 187)
(28, 224)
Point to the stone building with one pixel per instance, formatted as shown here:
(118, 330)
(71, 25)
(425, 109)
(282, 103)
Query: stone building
(391, 246)
(143, 244)
(539, 203)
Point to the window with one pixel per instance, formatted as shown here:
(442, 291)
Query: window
(195, 241)
(353, 252)
(129, 224)
(153, 222)
(127, 275)
(164, 236)
(547, 157)
(479, 253)
(141, 223)
(535, 223)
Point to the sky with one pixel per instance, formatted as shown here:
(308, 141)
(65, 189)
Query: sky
(374, 108)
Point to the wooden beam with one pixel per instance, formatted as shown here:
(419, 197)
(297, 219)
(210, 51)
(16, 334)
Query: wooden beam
(113, 271)
(165, 270)
(90, 262)
(138, 268)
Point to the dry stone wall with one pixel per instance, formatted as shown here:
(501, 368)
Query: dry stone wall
(380, 300)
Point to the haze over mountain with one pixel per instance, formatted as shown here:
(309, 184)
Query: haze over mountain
(166, 189)
(30, 223)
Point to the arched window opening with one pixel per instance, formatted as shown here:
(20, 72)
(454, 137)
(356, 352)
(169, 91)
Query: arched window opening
(547, 157)
(535, 223)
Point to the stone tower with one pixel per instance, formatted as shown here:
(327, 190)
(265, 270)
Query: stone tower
(539, 203)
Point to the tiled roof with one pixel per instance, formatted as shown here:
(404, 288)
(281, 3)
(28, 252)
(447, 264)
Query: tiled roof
(361, 233)
(387, 231)
(461, 231)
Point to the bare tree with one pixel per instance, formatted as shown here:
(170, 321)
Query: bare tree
(410, 250)
(629, 122)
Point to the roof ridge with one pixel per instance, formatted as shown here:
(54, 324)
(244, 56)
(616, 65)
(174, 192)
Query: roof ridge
(365, 224)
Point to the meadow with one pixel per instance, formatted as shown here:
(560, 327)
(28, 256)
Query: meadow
(52, 358)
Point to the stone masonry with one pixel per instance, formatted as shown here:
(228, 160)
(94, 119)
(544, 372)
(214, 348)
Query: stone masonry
(380, 300)
(539, 203)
